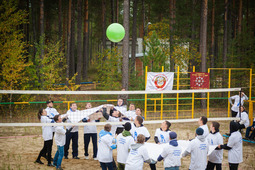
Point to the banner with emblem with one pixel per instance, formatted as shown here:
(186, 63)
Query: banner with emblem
(159, 81)
(199, 80)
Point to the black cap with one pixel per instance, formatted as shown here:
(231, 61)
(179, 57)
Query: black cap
(127, 126)
(49, 101)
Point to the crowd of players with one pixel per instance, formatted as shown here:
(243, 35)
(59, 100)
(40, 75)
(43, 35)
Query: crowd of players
(129, 140)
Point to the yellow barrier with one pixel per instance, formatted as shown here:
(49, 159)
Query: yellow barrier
(193, 95)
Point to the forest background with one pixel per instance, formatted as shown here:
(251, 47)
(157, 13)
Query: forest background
(45, 43)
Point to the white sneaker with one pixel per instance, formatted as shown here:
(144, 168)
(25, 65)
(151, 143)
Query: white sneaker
(86, 157)
(95, 159)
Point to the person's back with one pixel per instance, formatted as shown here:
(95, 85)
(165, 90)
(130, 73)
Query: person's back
(124, 141)
(217, 155)
(198, 148)
(235, 154)
(136, 157)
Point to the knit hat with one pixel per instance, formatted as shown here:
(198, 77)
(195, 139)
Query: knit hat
(172, 135)
(200, 131)
(49, 101)
(127, 126)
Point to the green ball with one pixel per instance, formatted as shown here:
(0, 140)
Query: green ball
(115, 32)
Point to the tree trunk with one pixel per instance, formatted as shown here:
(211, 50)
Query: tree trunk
(68, 41)
(141, 29)
(117, 11)
(240, 17)
(59, 20)
(42, 25)
(72, 50)
(134, 38)
(172, 21)
(33, 6)
(225, 37)
(79, 42)
(112, 17)
(85, 41)
(202, 42)
(213, 37)
(125, 45)
(104, 25)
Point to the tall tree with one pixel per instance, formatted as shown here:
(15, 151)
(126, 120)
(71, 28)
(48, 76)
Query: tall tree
(202, 41)
(225, 36)
(134, 37)
(59, 19)
(68, 40)
(125, 45)
(213, 35)
(104, 24)
(42, 25)
(72, 50)
(203, 34)
(171, 25)
(85, 41)
(79, 42)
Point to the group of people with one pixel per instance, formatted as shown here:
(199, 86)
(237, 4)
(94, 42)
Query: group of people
(131, 152)
(243, 115)
(63, 137)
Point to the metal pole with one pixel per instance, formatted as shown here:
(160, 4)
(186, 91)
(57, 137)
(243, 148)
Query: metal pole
(193, 97)
(229, 84)
(161, 111)
(145, 97)
(177, 97)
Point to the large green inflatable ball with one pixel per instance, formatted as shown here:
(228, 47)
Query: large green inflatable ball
(115, 32)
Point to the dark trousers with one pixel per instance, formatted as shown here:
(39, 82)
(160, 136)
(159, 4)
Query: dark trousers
(153, 166)
(233, 166)
(233, 113)
(210, 166)
(74, 137)
(47, 147)
(87, 137)
(104, 166)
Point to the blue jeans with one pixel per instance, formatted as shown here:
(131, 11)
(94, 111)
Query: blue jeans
(58, 156)
(104, 166)
(172, 168)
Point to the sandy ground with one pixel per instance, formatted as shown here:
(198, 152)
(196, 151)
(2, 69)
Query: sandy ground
(21, 151)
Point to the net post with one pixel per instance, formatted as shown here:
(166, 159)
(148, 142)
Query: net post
(251, 112)
(177, 96)
(145, 96)
(250, 84)
(193, 98)
(229, 84)
(208, 99)
(161, 110)
(155, 105)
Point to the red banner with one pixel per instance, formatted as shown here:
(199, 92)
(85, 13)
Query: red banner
(199, 80)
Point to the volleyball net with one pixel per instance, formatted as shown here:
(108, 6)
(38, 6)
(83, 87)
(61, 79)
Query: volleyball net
(154, 106)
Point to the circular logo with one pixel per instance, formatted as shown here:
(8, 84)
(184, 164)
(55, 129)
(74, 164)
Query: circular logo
(199, 81)
(160, 81)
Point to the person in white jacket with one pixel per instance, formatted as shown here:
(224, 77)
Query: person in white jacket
(138, 155)
(202, 122)
(215, 138)
(60, 139)
(72, 135)
(105, 147)
(198, 149)
(171, 153)
(234, 146)
(244, 121)
(236, 104)
(124, 141)
(47, 137)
